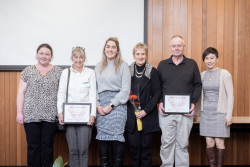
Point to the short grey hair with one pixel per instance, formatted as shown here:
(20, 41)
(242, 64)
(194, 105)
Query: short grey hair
(177, 36)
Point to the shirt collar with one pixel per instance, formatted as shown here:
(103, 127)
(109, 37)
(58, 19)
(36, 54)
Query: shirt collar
(184, 61)
(71, 68)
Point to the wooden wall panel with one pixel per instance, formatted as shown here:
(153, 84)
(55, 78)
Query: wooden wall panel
(196, 32)
(7, 115)
(19, 134)
(157, 30)
(221, 30)
(2, 118)
(241, 60)
(224, 24)
(235, 54)
(150, 30)
(168, 28)
(211, 23)
(12, 124)
(247, 43)
(228, 39)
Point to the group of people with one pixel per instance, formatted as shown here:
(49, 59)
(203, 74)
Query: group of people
(125, 99)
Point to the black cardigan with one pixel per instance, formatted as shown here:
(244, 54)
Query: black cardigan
(149, 96)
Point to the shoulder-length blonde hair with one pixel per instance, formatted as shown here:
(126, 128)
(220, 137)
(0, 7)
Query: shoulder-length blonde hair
(118, 59)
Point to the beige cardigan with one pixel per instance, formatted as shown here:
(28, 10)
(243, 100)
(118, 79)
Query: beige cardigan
(226, 95)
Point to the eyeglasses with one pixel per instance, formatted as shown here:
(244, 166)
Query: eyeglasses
(78, 47)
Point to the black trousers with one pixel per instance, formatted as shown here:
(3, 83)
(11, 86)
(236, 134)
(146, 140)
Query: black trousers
(140, 147)
(40, 139)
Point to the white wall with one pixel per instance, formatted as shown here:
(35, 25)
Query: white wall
(63, 24)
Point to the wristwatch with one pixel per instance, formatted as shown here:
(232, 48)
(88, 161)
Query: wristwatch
(112, 105)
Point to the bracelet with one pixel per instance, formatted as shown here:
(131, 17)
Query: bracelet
(112, 105)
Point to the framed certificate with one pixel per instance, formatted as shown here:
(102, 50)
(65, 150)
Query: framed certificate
(177, 104)
(76, 113)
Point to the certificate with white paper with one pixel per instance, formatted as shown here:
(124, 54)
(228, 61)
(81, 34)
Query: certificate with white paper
(177, 104)
(76, 113)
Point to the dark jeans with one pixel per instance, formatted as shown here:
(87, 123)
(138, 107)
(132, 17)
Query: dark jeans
(140, 146)
(104, 149)
(40, 139)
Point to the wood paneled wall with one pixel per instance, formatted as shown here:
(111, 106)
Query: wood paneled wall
(224, 24)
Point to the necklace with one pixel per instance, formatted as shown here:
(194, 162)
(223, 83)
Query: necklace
(139, 74)
(211, 76)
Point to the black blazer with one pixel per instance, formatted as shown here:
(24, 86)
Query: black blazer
(149, 96)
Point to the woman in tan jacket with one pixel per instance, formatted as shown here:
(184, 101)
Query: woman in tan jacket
(217, 106)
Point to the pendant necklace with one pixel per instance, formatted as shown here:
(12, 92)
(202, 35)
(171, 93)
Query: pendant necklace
(211, 77)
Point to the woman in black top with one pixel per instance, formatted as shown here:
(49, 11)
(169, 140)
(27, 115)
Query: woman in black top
(145, 93)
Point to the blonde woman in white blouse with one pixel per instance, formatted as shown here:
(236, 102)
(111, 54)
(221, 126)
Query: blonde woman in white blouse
(82, 89)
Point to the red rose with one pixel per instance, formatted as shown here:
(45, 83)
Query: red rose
(133, 97)
(137, 103)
